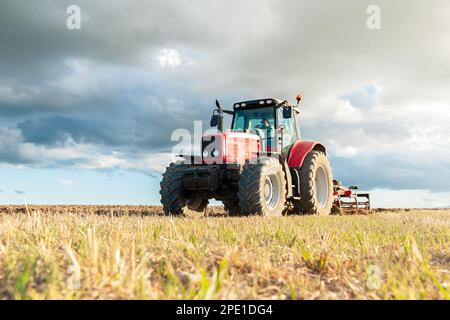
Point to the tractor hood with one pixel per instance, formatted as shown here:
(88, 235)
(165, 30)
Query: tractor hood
(229, 147)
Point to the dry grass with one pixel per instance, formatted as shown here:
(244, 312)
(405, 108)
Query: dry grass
(134, 253)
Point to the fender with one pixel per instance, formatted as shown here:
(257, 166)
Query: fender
(299, 151)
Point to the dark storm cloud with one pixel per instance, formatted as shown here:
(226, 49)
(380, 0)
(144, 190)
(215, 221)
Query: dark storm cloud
(99, 84)
(121, 128)
(377, 99)
(56, 129)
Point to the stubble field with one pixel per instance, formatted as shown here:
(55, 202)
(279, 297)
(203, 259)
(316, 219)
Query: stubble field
(127, 252)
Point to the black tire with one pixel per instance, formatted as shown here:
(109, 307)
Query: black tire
(232, 207)
(315, 172)
(255, 180)
(172, 194)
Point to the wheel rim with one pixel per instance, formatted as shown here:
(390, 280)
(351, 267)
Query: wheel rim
(321, 186)
(271, 191)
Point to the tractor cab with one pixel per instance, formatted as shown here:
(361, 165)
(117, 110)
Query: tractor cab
(272, 120)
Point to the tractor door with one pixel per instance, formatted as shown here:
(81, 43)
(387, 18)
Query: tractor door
(290, 133)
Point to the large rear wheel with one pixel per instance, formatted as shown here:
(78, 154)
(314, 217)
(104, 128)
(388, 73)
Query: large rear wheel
(172, 194)
(262, 188)
(316, 185)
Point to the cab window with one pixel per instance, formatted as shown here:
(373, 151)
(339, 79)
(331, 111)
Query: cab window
(255, 118)
(290, 135)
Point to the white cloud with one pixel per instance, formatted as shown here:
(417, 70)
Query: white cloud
(346, 113)
(344, 151)
(169, 58)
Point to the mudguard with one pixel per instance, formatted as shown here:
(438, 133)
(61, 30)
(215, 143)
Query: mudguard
(300, 149)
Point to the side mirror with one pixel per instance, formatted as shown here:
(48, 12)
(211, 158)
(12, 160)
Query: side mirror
(214, 120)
(287, 112)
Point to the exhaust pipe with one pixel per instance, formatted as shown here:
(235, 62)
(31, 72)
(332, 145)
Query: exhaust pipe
(220, 125)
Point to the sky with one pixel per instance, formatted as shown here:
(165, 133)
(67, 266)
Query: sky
(86, 115)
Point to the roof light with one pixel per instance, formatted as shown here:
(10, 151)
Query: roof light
(236, 105)
(269, 101)
(261, 102)
(243, 104)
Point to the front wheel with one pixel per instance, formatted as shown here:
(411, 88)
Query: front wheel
(172, 194)
(316, 185)
(262, 188)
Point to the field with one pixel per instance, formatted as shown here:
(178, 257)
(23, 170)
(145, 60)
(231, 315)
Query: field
(77, 252)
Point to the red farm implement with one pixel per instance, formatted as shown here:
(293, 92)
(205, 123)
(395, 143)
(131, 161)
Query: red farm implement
(349, 200)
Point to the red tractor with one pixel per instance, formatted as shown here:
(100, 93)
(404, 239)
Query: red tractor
(259, 167)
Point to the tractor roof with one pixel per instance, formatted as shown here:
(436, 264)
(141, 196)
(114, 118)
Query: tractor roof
(259, 103)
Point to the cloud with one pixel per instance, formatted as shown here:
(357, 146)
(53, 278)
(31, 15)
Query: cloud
(346, 113)
(54, 129)
(19, 191)
(71, 154)
(109, 95)
(10, 149)
(170, 58)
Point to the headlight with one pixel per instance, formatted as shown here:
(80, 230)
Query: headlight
(205, 154)
(215, 153)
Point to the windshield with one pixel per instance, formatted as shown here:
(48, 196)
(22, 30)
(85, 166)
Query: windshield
(255, 119)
